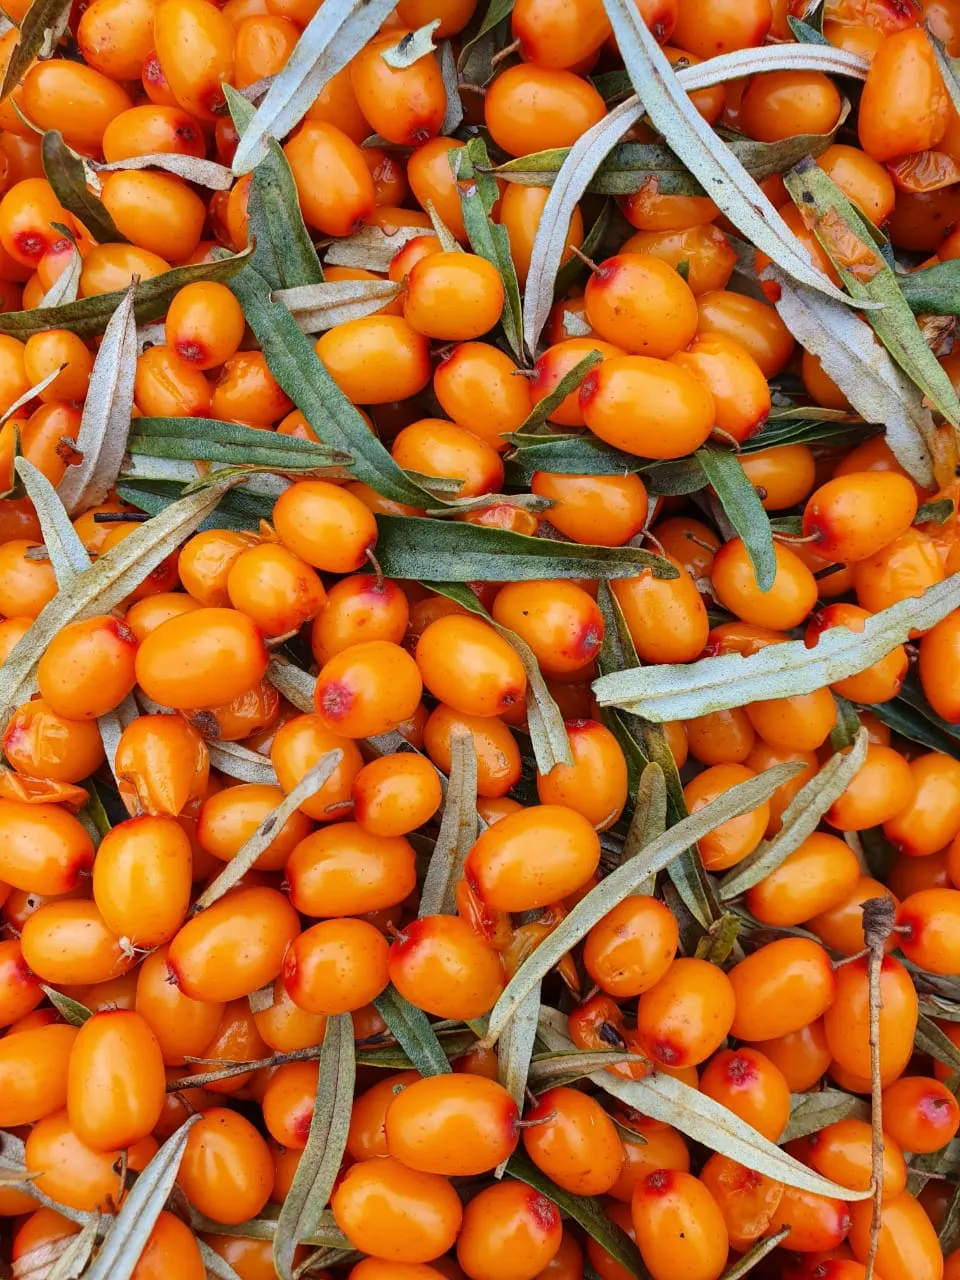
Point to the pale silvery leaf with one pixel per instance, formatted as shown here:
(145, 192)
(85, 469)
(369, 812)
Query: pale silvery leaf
(515, 1051)
(68, 555)
(772, 57)
(295, 685)
(241, 763)
(64, 288)
(411, 47)
(105, 422)
(453, 117)
(682, 692)
(29, 394)
(214, 1265)
(458, 830)
(205, 173)
(336, 32)
(371, 247)
(317, 307)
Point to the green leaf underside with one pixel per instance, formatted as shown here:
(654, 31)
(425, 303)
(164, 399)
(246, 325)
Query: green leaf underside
(743, 508)
(43, 24)
(413, 1032)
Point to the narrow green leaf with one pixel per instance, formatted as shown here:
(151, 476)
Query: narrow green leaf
(515, 1051)
(718, 943)
(933, 290)
(548, 1070)
(209, 440)
(930, 1039)
(437, 551)
(585, 1210)
(71, 1011)
(478, 194)
(292, 361)
(240, 509)
(68, 555)
(283, 251)
(458, 830)
(626, 880)
(214, 1265)
(88, 317)
(497, 11)
(119, 1254)
(41, 29)
(266, 833)
(453, 116)
(413, 1032)
(105, 420)
(800, 819)
(320, 1162)
(668, 692)
(570, 381)
(649, 820)
(64, 171)
(847, 726)
(911, 723)
(743, 508)
(811, 1112)
(939, 512)
(744, 1265)
(318, 307)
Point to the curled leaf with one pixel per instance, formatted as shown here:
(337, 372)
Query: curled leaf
(205, 173)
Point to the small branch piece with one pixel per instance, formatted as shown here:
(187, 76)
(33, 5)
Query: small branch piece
(879, 915)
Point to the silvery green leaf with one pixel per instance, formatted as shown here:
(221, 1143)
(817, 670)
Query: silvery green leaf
(205, 173)
(453, 116)
(371, 248)
(549, 244)
(811, 1112)
(569, 382)
(64, 288)
(448, 241)
(413, 1032)
(930, 1039)
(120, 1252)
(863, 370)
(325, 1233)
(317, 307)
(295, 685)
(30, 393)
(649, 820)
(515, 1051)
(336, 32)
(72, 1011)
(101, 588)
(214, 1265)
(669, 692)
(745, 1264)
(550, 1069)
(772, 57)
(67, 553)
(626, 880)
(67, 174)
(75, 1255)
(458, 830)
(722, 176)
(741, 503)
(320, 1162)
(105, 420)
(800, 819)
(411, 47)
(267, 832)
(41, 29)
(241, 763)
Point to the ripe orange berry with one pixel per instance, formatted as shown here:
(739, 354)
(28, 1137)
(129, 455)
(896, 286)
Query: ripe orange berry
(904, 107)
(367, 689)
(595, 784)
(71, 97)
(194, 45)
(731, 841)
(44, 849)
(647, 406)
(204, 324)
(457, 1125)
(666, 618)
(436, 447)
(396, 1213)
(453, 296)
(846, 1021)
(67, 941)
(741, 397)
(227, 1171)
(908, 1249)
(642, 304)
(162, 765)
(600, 510)
(814, 878)
(533, 858)
(938, 668)
(529, 108)
(751, 1086)
(573, 1141)
(333, 181)
(88, 668)
(880, 789)
(396, 794)
(115, 1081)
(510, 1231)
(499, 764)
(43, 744)
(927, 930)
(781, 988)
(752, 323)
(442, 966)
(325, 526)
(336, 966)
(747, 1199)
(301, 743)
(465, 663)
(142, 879)
(359, 608)
(183, 1027)
(685, 1016)
(73, 1172)
(841, 1152)
(201, 659)
(679, 1225)
(854, 516)
(405, 105)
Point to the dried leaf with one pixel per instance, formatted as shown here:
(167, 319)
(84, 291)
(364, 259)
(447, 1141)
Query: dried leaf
(295, 685)
(76, 1255)
(411, 47)
(317, 307)
(371, 247)
(453, 118)
(458, 830)
(205, 173)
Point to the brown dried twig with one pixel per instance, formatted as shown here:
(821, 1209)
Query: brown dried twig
(879, 915)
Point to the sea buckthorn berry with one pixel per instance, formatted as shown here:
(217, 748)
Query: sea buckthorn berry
(396, 1213)
(679, 1226)
(788, 601)
(333, 181)
(709, 255)
(404, 105)
(817, 1223)
(707, 29)
(43, 744)
(632, 947)
(227, 1171)
(45, 352)
(647, 407)
(115, 36)
(573, 1141)
(204, 324)
(439, 964)
(510, 1232)
(171, 1245)
(908, 1248)
(162, 765)
(781, 988)
(687, 1015)
(528, 108)
(880, 789)
(642, 304)
(275, 588)
(846, 1022)
(109, 267)
(183, 1027)
(862, 180)
(405, 259)
(555, 363)
(747, 1083)
(655, 1146)
(88, 668)
(499, 763)
(367, 689)
(453, 296)
(300, 744)
(28, 211)
(904, 107)
(939, 650)
(820, 259)
(520, 212)
(465, 663)
(166, 385)
(666, 617)
(343, 870)
(201, 659)
(904, 568)
(194, 45)
(324, 525)
(880, 681)
(26, 585)
(230, 817)
(288, 1103)
(336, 966)
(559, 621)
(481, 389)
(457, 1125)
(855, 516)
(361, 607)
(721, 737)
(396, 794)
(812, 879)
(151, 130)
(595, 784)
(264, 43)
(79, 1176)
(741, 397)
(205, 563)
(921, 1114)
(436, 447)
(605, 1265)
(747, 1199)
(800, 723)
(142, 879)
(533, 858)
(932, 818)
(115, 1081)
(67, 941)
(842, 1153)
(841, 926)
(246, 391)
(44, 850)
(752, 323)
(927, 934)
(235, 946)
(558, 37)
(430, 175)
(33, 1073)
(782, 104)
(802, 1056)
(649, 210)
(71, 97)
(44, 1227)
(598, 510)
(367, 1136)
(731, 841)
(156, 211)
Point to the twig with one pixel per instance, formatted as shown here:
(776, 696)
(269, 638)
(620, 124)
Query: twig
(878, 920)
